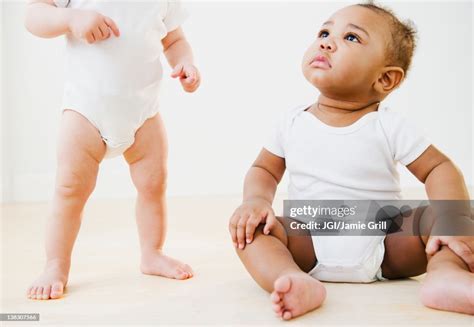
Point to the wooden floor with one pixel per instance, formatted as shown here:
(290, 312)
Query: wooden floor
(106, 287)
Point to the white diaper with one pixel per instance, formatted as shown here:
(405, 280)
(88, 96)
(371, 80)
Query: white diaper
(352, 259)
(117, 118)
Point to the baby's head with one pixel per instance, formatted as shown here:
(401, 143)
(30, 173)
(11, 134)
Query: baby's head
(361, 53)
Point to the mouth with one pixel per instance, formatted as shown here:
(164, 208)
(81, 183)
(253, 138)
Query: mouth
(320, 62)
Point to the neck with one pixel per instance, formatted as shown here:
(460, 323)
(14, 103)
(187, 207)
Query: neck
(335, 106)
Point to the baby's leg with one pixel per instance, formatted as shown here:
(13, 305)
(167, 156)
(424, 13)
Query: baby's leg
(279, 264)
(448, 284)
(147, 158)
(80, 151)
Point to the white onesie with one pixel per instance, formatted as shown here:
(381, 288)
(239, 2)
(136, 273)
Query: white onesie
(115, 83)
(356, 162)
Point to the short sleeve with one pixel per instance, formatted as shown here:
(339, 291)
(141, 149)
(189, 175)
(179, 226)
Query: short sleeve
(175, 15)
(61, 3)
(275, 139)
(405, 140)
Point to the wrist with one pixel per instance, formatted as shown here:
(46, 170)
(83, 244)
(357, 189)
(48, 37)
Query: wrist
(67, 15)
(257, 198)
(184, 63)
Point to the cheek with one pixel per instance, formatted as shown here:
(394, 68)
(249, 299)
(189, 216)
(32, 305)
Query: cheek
(306, 60)
(308, 56)
(354, 69)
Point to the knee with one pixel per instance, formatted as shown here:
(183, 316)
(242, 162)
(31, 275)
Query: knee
(151, 184)
(277, 232)
(74, 185)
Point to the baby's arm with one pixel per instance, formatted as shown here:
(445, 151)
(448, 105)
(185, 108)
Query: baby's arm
(179, 54)
(260, 186)
(44, 19)
(444, 181)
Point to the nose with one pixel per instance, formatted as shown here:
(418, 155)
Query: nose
(327, 45)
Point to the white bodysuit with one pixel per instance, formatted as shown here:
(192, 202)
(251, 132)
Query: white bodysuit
(115, 83)
(357, 162)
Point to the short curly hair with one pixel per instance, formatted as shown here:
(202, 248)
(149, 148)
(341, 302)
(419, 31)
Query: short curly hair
(404, 37)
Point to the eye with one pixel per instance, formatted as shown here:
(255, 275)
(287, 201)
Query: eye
(352, 37)
(323, 34)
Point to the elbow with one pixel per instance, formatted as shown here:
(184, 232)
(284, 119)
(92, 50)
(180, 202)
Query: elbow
(29, 21)
(457, 170)
(266, 171)
(445, 167)
(170, 45)
(34, 25)
(452, 166)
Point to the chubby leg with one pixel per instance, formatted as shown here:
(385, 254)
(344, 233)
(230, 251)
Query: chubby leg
(279, 264)
(147, 159)
(80, 151)
(448, 284)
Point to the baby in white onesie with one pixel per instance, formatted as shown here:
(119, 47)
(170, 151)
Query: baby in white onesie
(110, 108)
(346, 146)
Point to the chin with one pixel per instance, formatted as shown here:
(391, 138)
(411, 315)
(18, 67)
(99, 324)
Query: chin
(318, 80)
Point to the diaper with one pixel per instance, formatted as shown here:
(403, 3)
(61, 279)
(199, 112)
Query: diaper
(352, 259)
(117, 118)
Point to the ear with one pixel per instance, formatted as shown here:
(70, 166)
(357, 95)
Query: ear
(389, 79)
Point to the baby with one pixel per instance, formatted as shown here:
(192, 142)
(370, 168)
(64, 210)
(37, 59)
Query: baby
(110, 108)
(345, 146)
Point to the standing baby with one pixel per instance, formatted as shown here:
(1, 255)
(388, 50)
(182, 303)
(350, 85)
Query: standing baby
(110, 108)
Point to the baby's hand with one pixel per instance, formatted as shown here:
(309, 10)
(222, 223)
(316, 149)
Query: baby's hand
(246, 219)
(463, 246)
(188, 76)
(91, 26)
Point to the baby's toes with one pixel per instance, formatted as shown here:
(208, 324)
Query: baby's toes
(275, 297)
(181, 274)
(39, 293)
(33, 292)
(185, 270)
(28, 292)
(278, 308)
(56, 290)
(188, 270)
(286, 315)
(46, 292)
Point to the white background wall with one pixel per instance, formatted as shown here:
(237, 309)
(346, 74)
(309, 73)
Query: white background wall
(249, 54)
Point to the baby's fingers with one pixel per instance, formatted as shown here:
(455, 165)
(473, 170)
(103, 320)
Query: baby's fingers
(270, 222)
(241, 231)
(189, 74)
(90, 37)
(177, 71)
(432, 246)
(233, 227)
(189, 80)
(111, 24)
(252, 224)
(463, 251)
(97, 34)
(105, 31)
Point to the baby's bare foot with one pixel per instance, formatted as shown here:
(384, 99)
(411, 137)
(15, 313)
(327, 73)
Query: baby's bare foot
(51, 283)
(295, 294)
(449, 290)
(156, 263)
